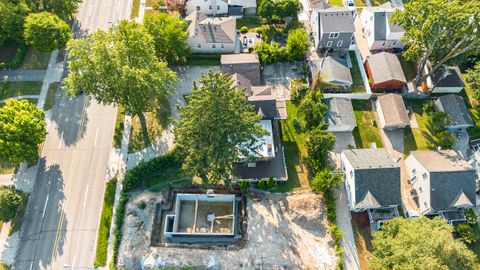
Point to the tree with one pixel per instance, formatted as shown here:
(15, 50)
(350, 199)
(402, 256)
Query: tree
(419, 243)
(441, 31)
(437, 124)
(216, 127)
(289, 8)
(466, 233)
(269, 53)
(170, 36)
(326, 180)
(62, 8)
(266, 10)
(10, 200)
(175, 6)
(12, 15)
(46, 31)
(278, 9)
(22, 129)
(119, 67)
(319, 143)
(312, 111)
(473, 79)
(297, 44)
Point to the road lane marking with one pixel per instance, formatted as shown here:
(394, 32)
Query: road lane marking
(31, 265)
(73, 263)
(96, 136)
(85, 198)
(60, 142)
(45, 207)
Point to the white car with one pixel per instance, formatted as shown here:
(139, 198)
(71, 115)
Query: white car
(349, 4)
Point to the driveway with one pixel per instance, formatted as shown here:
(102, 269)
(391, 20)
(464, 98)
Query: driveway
(393, 141)
(31, 75)
(360, 39)
(461, 142)
(279, 75)
(344, 140)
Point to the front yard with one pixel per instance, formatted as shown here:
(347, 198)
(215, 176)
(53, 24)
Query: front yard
(366, 131)
(35, 59)
(13, 89)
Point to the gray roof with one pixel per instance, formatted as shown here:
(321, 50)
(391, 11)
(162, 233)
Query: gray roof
(447, 77)
(337, 19)
(393, 109)
(381, 15)
(340, 112)
(377, 177)
(335, 70)
(211, 29)
(239, 58)
(454, 106)
(385, 67)
(450, 176)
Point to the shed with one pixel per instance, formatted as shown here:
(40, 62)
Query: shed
(392, 112)
(340, 116)
(385, 72)
(247, 65)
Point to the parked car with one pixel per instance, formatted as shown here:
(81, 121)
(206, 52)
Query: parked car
(349, 4)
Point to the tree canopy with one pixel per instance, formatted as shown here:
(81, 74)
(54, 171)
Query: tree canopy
(441, 31)
(319, 143)
(170, 36)
(119, 67)
(419, 243)
(473, 79)
(216, 126)
(62, 8)
(22, 129)
(278, 9)
(297, 44)
(46, 31)
(10, 200)
(12, 16)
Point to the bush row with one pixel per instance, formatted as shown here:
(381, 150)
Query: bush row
(17, 59)
(117, 231)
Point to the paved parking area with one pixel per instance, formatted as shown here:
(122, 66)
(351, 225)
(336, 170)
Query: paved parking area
(344, 140)
(393, 141)
(279, 75)
(461, 142)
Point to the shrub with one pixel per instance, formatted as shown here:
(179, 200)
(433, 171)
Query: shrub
(297, 125)
(337, 234)
(261, 184)
(17, 59)
(466, 233)
(270, 183)
(428, 107)
(10, 200)
(325, 180)
(259, 30)
(329, 199)
(298, 90)
(117, 232)
(244, 29)
(470, 216)
(243, 185)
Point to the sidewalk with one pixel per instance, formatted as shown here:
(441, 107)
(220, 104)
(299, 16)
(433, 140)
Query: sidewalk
(24, 75)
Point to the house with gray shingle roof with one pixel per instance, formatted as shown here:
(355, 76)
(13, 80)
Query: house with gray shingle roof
(392, 112)
(385, 72)
(211, 34)
(340, 116)
(380, 32)
(442, 181)
(372, 179)
(456, 109)
(445, 80)
(332, 28)
(334, 70)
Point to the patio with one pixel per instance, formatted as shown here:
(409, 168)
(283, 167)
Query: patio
(380, 215)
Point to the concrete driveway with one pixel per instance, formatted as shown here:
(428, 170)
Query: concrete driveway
(360, 39)
(279, 75)
(344, 140)
(461, 142)
(393, 141)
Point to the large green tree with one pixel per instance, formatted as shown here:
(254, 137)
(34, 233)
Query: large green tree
(473, 79)
(22, 129)
(119, 67)
(319, 143)
(419, 243)
(216, 126)
(441, 31)
(297, 44)
(63, 8)
(46, 31)
(170, 37)
(10, 200)
(12, 16)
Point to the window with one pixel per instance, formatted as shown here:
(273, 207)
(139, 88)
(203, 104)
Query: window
(424, 175)
(210, 7)
(413, 179)
(351, 173)
(213, 46)
(414, 171)
(221, 46)
(198, 7)
(420, 189)
(333, 35)
(218, 7)
(340, 43)
(199, 45)
(329, 44)
(425, 204)
(394, 43)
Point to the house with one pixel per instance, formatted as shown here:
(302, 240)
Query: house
(385, 72)
(333, 70)
(372, 182)
(246, 65)
(211, 34)
(442, 181)
(392, 112)
(445, 80)
(236, 8)
(242, 7)
(332, 28)
(340, 115)
(380, 32)
(455, 108)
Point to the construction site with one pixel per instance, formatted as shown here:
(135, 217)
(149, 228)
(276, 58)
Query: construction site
(190, 227)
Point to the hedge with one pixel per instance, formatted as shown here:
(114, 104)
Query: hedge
(17, 59)
(117, 231)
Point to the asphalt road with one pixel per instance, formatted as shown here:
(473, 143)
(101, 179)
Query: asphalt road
(60, 228)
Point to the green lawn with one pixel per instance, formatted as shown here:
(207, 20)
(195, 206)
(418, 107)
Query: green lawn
(51, 95)
(105, 222)
(7, 52)
(295, 153)
(378, 2)
(13, 89)
(358, 86)
(151, 3)
(17, 221)
(203, 60)
(418, 138)
(119, 122)
(252, 23)
(151, 12)
(35, 59)
(409, 68)
(156, 121)
(337, 3)
(366, 131)
(135, 9)
(359, 3)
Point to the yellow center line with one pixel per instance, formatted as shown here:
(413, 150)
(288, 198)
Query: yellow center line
(62, 216)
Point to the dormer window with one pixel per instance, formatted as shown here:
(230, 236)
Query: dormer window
(334, 35)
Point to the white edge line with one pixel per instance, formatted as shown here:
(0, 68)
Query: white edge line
(96, 136)
(85, 198)
(45, 207)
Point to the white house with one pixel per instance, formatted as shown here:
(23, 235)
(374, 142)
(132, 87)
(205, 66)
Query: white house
(381, 34)
(211, 34)
(207, 7)
(442, 181)
(456, 109)
(445, 80)
(392, 112)
(332, 27)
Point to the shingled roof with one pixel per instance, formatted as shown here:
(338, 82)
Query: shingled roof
(336, 19)
(340, 112)
(393, 110)
(454, 106)
(385, 67)
(211, 29)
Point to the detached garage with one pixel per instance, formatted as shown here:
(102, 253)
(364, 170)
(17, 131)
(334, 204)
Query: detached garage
(385, 72)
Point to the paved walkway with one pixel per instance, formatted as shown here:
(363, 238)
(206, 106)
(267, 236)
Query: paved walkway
(350, 257)
(361, 41)
(54, 74)
(26, 75)
(158, 148)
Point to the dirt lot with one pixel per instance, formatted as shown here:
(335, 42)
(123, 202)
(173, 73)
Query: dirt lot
(284, 232)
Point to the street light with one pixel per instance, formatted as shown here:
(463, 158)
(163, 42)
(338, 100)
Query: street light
(78, 267)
